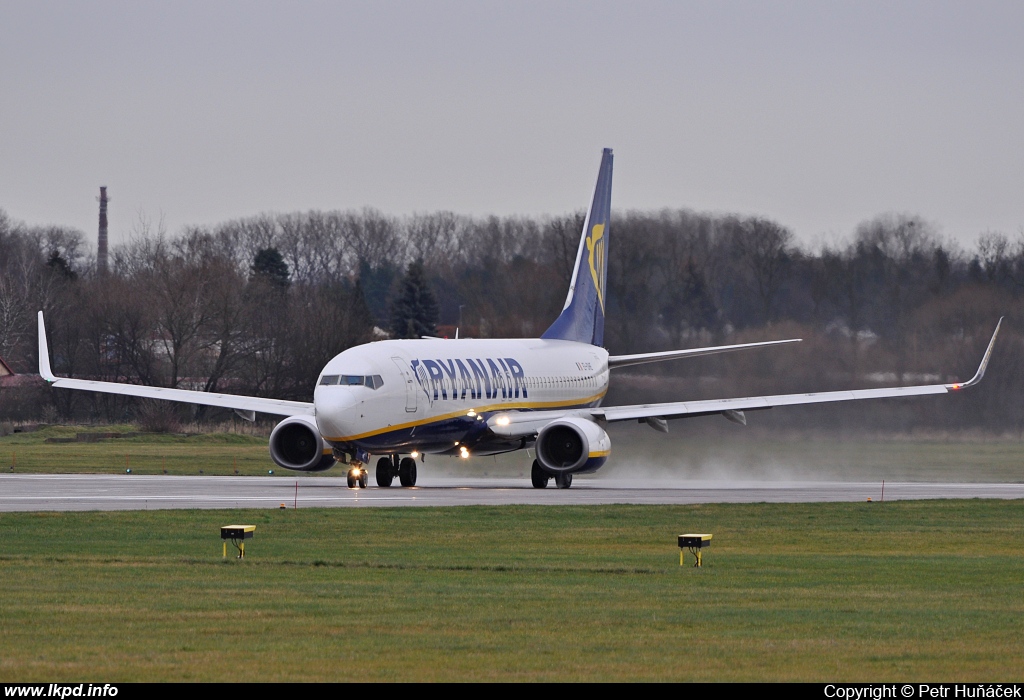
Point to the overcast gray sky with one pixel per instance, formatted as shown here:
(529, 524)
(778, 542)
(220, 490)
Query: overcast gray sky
(818, 114)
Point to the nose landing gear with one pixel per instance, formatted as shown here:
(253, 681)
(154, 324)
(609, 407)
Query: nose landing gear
(357, 476)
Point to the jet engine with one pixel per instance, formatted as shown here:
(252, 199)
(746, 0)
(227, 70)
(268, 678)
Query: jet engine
(296, 443)
(572, 445)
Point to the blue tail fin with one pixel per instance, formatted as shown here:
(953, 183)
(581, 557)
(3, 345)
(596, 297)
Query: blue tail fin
(582, 317)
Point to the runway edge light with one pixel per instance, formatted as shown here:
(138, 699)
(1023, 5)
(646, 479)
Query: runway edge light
(695, 543)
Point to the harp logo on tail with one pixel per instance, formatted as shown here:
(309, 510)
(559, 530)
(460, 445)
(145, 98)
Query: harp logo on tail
(595, 246)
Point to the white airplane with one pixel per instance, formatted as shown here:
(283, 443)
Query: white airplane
(474, 397)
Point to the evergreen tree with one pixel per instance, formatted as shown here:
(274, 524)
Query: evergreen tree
(270, 266)
(375, 281)
(60, 266)
(414, 311)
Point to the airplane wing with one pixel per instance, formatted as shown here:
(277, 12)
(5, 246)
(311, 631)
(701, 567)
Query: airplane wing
(702, 408)
(627, 360)
(527, 423)
(241, 404)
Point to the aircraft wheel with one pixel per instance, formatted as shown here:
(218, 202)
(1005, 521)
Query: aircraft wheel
(363, 478)
(538, 476)
(407, 471)
(563, 481)
(352, 481)
(384, 472)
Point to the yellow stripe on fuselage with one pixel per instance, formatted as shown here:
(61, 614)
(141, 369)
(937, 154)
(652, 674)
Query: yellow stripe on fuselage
(581, 403)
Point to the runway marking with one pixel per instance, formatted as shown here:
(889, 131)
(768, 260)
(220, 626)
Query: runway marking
(37, 492)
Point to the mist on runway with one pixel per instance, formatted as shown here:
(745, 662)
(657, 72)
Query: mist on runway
(700, 450)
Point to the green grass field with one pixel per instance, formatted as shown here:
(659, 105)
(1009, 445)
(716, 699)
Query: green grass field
(923, 590)
(213, 453)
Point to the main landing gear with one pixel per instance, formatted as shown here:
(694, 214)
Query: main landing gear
(390, 467)
(385, 473)
(407, 471)
(540, 477)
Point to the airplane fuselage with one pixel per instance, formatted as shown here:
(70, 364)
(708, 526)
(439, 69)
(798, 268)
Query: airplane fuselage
(434, 396)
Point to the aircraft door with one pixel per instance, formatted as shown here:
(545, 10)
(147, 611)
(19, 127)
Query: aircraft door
(410, 384)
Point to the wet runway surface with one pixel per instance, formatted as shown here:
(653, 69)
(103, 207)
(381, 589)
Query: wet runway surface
(50, 492)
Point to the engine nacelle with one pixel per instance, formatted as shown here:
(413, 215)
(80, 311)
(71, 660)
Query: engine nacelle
(296, 444)
(572, 445)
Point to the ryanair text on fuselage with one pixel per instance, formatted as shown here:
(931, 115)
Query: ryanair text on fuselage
(486, 378)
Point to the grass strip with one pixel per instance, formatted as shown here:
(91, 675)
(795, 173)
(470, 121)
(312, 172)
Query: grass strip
(901, 591)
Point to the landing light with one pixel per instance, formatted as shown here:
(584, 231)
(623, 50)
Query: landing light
(504, 420)
(464, 453)
(415, 454)
(471, 413)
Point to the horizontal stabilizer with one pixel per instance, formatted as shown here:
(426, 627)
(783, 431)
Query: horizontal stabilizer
(643, 358)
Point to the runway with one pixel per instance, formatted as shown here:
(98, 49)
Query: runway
(70, 492)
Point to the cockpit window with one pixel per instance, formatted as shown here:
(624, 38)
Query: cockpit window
(373, 381)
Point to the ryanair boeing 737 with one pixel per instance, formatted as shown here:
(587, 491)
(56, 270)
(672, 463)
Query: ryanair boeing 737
(400, 399)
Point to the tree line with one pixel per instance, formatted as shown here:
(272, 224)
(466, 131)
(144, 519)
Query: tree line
(258, 305)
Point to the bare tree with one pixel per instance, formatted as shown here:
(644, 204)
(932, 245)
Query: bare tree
(763, 248)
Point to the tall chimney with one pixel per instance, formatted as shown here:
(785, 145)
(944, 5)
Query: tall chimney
(101, 256)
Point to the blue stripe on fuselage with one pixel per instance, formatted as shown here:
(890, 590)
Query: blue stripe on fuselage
(437, 436)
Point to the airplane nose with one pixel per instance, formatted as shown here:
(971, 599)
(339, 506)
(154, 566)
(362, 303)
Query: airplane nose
(337, 401)
(336, 408)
